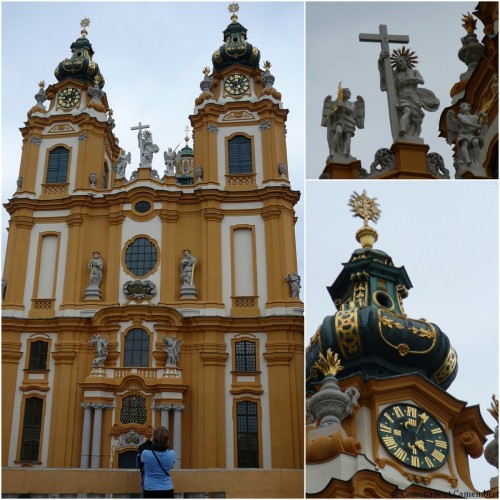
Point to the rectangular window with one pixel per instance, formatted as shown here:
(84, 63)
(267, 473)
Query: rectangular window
(38, 355)
(136, 348)
(247, 434)
(105, 176)
(245, 360)
(32, 425)
(57, 168)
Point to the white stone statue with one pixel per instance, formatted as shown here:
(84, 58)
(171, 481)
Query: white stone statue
(294, 281)
(410, 98)
(341, 117)
(173, 349)
(96, 266)
(467, 131)
(121, 164)
(101, 346)
(147, 148)
(170, 156)
(188, 264)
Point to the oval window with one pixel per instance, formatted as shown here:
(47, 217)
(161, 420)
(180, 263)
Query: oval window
(142, 207)
(141, 257)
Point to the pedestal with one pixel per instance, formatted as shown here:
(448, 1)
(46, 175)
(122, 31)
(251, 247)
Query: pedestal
(337, 168)
(188, 292)
(92, 294)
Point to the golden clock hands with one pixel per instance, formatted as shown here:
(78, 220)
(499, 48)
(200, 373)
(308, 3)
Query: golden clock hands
(420, 445)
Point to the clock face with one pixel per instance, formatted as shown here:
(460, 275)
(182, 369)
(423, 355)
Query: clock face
(412, 436)
(236, 84)
(68, 98)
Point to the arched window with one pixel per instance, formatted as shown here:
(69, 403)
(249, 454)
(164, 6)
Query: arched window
(247, 434)
(245, 356)
(32, 424)
(57, 169)
(38, 355)
(240, 155)
(136, 351)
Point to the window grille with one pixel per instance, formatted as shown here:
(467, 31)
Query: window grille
(133, 410)
(30, 442)
(38, 355)
(245, 360)
(247, 434)
(141, 257)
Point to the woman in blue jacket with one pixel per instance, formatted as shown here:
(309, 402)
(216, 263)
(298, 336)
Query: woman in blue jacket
(157, 464)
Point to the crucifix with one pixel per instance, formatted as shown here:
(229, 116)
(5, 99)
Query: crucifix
(384, 39)
(140, 128)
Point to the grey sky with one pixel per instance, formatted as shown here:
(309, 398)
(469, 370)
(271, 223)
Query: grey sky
(445, 234)
(335, 54)
(151, 55)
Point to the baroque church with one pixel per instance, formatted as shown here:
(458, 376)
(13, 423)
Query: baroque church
(132, 301)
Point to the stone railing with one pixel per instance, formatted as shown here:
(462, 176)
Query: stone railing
(21, 482)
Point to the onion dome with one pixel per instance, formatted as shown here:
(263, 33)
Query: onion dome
(80, 65)
(370, 329)
(235, 49)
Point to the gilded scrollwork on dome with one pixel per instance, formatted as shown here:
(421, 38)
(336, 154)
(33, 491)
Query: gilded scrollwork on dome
(447, 368)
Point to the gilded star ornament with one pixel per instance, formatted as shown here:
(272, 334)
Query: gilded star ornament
(233, 8)
(364, 207)
(84, 23)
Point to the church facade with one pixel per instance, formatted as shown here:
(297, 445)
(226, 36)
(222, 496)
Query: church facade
(168, 299)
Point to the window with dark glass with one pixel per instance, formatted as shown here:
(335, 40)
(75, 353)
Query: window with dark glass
(248, 434)
(141, 257)
(105, 176)
(240, 155)
(136, 348)
(126, 460)
(133, 410)
(245, 360)
(57, 169)
(38, 355)
(142, 206)
(32, 424)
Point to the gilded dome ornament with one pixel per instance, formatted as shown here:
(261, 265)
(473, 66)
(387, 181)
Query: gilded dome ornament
(233, 8)
(367, 209)
(84, 23)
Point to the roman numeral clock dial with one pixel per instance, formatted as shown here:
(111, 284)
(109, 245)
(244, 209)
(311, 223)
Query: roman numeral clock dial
(236, 84)
(413, 436)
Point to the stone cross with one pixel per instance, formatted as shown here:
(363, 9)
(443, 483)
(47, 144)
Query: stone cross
(140, 128)
(384, 39)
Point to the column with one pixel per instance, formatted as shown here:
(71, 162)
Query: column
(96, 436)
(178, 409)
(84, 460)
(164, 409)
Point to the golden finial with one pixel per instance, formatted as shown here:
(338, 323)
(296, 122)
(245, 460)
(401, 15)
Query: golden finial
(469, 23)
(364, 207)
(267, 65)
(84, 23)
(367, 209)
(329, 365)
(97, 79)
(494, 407)
(41, 84)
(233, 8)
(187, 134)
(206, 71)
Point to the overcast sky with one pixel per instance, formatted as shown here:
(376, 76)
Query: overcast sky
(335, 54)
(445, 234)
(151, 55)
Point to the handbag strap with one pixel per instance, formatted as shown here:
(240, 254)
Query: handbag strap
(160, 464)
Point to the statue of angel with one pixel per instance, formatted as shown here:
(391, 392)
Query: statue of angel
(467, 131)
(341, 117)
(170, 156)
(173, 349)
(121, 164)
(101, 346)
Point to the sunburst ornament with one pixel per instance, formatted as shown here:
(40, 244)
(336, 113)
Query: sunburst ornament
(409, 55)
(364, 207)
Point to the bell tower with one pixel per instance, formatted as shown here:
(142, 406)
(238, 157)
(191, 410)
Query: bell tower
(380, 420)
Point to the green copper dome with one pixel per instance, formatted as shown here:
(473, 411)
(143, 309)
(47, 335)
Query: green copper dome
(80, 65)
(235, 49)
(371, 331)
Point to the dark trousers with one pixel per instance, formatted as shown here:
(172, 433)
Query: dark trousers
(159, 494)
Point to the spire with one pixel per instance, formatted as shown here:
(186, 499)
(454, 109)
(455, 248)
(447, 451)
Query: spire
(80, 65)
(235, 49)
